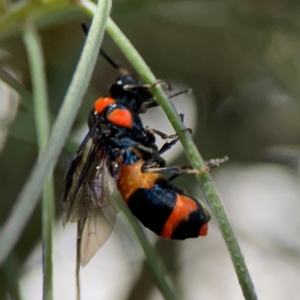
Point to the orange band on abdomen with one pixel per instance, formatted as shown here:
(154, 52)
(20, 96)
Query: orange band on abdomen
(183, 208)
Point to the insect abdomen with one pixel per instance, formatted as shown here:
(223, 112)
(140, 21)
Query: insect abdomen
(168, 213)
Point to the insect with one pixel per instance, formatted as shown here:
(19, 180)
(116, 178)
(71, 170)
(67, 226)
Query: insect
(117, 149)
(118, 152)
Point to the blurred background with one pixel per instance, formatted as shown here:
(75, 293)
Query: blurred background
(242, 60)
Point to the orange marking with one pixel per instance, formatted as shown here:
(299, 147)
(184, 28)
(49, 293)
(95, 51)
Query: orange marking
(183, 207)
(101, 103)
(120, 117)
(132, 178)
(203, 230)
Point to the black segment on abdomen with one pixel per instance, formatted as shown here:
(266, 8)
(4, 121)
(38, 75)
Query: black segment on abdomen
(153, 206)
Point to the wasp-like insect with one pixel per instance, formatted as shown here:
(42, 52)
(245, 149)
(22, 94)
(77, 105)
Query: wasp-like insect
(120, 153)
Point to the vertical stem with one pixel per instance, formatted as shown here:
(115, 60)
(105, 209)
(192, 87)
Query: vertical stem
(42, 121)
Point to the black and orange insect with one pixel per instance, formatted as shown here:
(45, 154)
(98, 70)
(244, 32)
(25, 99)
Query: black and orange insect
(119, 150)
(120, 153)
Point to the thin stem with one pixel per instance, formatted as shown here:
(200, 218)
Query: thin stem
(41, 112)
(40, 99)
(28, 197)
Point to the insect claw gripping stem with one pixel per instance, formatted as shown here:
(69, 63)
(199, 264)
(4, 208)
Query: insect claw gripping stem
(212, 163)
(150, 167)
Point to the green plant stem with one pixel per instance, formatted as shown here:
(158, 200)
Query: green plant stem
(192, 153)
(29, 195)
(42, 120)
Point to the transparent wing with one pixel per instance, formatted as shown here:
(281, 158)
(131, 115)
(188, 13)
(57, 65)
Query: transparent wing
(78, 166)
(87, 197)
(87, 179)
(101, 216)
(97, 229)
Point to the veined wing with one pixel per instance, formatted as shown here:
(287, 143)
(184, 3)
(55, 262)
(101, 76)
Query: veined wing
(84, 166)
(97, 229)
(87, 197)
(75, 168)
(101, 216)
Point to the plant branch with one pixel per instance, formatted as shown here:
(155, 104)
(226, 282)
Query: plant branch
(42, 120)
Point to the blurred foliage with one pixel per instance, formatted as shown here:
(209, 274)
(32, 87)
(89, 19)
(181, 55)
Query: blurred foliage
(240, 57)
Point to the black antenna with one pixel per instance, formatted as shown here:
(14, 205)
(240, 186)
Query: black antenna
(85, 28)
(112, 62)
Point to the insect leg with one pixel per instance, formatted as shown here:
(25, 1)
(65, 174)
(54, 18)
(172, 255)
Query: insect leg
(186, 91)
(153, 103)
(150, 167)
(148, 104)
(167, 145)
(167, 136)
(212, 163)
(159, 82)
(147, 168)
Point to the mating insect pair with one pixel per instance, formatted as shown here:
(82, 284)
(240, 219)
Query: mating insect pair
(119, 151)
